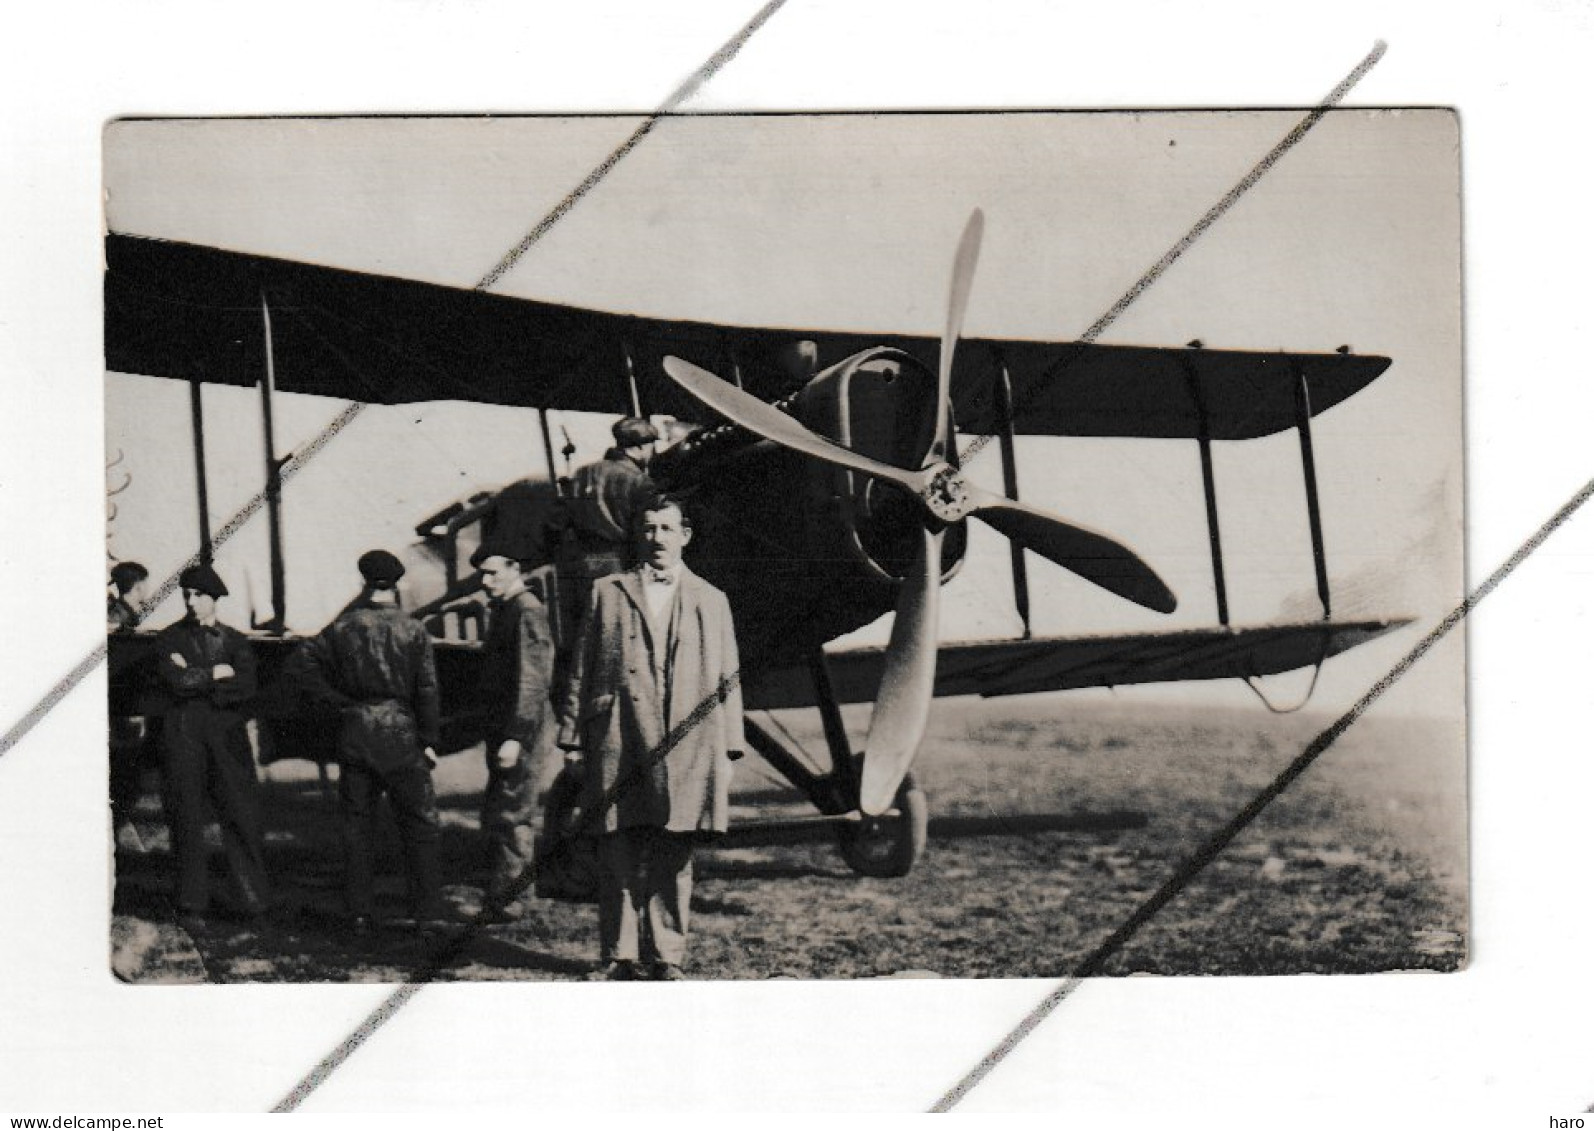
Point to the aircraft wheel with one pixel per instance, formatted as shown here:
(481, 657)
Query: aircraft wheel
(890, 846)
(566, 864)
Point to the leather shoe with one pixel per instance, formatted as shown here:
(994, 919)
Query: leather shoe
(511, 912)
(668, 972)
(620, 970)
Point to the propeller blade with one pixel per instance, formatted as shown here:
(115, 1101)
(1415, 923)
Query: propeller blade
(907, 684)
(772, 424)
(957, 305)
(1093, 556)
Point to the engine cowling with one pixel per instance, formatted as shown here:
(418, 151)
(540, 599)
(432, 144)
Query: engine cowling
(879, 403)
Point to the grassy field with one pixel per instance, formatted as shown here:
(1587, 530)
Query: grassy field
(1052, 820)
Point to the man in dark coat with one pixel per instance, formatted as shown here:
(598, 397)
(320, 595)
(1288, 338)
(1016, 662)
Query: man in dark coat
(602, 509)
(517, 680)
(130, 745)
(375, 665)
(208, 671)
(654, 709)
(124, 608)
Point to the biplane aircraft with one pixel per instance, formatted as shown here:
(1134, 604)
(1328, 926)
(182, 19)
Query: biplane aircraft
(824, 480)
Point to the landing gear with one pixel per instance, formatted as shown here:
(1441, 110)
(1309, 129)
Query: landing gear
(885, 846)
(889, 845)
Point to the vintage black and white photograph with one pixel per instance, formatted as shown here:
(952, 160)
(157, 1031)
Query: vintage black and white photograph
(816, 546)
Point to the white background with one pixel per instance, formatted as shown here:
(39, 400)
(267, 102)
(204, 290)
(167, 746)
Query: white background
(1504, 1044)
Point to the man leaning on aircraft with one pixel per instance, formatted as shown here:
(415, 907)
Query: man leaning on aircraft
(602, 510)
(656, 651)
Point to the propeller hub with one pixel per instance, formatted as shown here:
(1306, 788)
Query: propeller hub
(947, 495)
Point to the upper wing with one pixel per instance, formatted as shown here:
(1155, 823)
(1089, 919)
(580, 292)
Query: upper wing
(1019, 667)
(194, 313)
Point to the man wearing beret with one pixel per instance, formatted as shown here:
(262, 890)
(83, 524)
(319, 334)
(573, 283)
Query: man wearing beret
(517, 682)
(208, 671)
(374, 664)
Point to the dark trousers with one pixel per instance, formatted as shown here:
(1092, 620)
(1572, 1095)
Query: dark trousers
(414, 804)
(206, 758)
(129, 755)
(509, 814)
(644, 895)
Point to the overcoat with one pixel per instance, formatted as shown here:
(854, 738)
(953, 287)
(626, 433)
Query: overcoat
(617, 712)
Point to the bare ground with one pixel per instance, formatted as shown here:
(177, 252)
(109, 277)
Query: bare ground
(1052, 820)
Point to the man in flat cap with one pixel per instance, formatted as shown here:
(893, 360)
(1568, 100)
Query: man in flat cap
(517, 683)
(208, 671)
(374, 664)
(654, 712)
(603, 508)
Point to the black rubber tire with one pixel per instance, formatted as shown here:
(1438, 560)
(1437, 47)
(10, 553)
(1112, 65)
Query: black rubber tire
(888, 847)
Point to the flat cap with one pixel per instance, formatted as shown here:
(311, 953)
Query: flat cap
(380, 569)
(516, 545)
(634, 431)
(202, 579)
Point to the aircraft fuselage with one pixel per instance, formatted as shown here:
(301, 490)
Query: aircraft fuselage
(806, 552)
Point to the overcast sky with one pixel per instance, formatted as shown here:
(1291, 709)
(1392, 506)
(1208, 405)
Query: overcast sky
(849, 222)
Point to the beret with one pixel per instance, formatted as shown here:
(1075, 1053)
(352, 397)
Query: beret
(202, 579)
(380, 569)
(516, 545)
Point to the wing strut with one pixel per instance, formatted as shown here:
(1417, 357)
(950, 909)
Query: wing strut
(1314, 517)
(844, 762)
(1004, 413)
(547, 447)
(630, 378)
(268, 383)
(1208, 482)
(196, 412)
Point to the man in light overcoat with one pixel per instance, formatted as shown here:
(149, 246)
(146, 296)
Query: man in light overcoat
(654, 708)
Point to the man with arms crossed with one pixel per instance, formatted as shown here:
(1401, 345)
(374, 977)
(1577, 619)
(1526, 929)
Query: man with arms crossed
(654, 709)
(208, 672)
